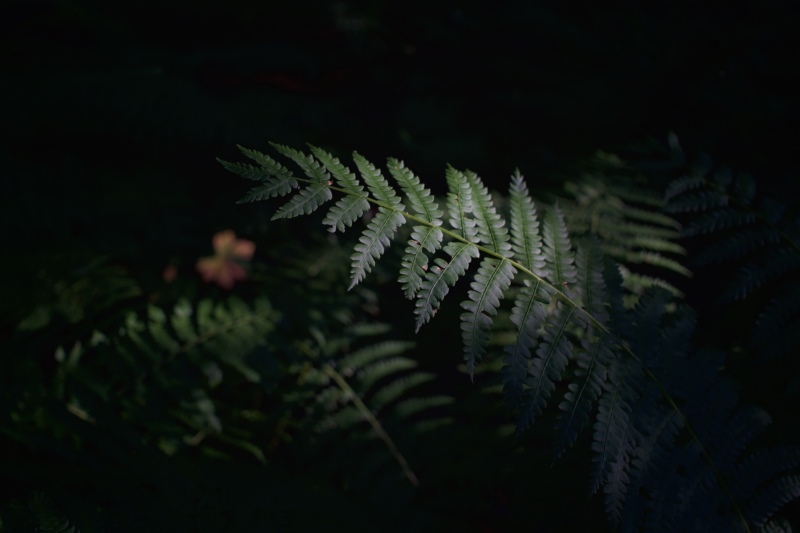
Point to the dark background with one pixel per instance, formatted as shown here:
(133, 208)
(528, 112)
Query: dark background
(113, 113)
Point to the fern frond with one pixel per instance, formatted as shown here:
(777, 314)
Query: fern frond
(460, 205)
(373, 241)
(493, 277)
(276, 179)
(630, 225)
(490, 225)
(683, 184)
(419, 196)
(595, 355)
(304, 202)
(415, 260)
(377, 184)
(344, 212)
(316, 173)
(429, 237)
(768, 500)
(612, 430)
(350, 207)
(372, 394)
(362, 357)
(547, 367)
(754, 275)
(593, 361)
(525, 237)
(700, 201)
(714, 221)
(778, 317)
(310, 198)
(558, 249)
(527, 315)
(440, 277)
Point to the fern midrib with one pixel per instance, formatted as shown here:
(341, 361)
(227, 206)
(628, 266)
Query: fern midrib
(569, 301)
(370, 417)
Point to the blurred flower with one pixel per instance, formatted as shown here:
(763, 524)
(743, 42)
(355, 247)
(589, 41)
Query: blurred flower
(223, 267)
(170, 273)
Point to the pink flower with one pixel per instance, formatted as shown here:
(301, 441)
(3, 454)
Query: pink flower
(223, 267)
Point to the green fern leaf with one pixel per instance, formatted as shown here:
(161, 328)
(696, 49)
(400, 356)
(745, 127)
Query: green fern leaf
(394, 390)
(718, 220)
(681, 185)
(459, 204)
(527, 315)
(415, 260)
(372, 243)
(612, 427)
(525, 238)
(440, 277)
(593, 361)
(595, 354)
(419, 196)
(309, 199)
(246, 170)
(547, 367)
(276, 179)
(377, 184)
(310, 166)
(354, 204)
(364, 356)
(493, 277)
(344, 212)
(777, 262)
(412, 406)
(304, 202)
(558, 249)
(700, 201)
(490, 225)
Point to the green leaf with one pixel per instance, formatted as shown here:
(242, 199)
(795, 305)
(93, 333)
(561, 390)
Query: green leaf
(372, 243)
(440, 277)
(493, 277)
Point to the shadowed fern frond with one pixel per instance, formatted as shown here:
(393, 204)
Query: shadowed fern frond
(370, 399)
(612, 202)
(755, 234)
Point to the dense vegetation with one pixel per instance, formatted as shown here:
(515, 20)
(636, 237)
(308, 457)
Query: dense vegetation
(174, 361)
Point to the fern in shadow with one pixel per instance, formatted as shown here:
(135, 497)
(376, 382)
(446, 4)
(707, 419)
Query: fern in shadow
(665, 457)
(757, 235)
(612, 200)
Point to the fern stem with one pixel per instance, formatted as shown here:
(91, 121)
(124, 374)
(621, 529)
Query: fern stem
(376, 426)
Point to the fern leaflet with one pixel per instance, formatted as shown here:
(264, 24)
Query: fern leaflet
(440, 277)
(427, 237)
(493, 277)
(351, 206)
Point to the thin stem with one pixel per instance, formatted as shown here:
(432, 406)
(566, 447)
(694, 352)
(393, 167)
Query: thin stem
(376, 426)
